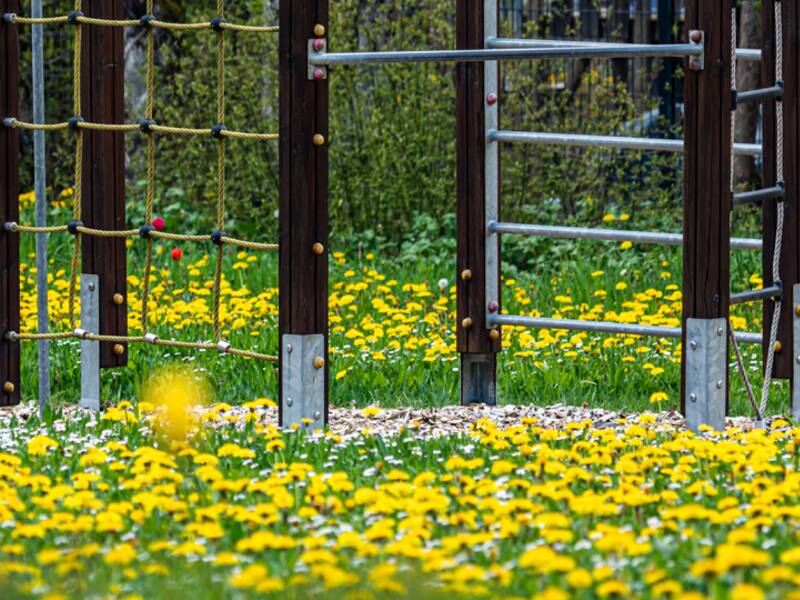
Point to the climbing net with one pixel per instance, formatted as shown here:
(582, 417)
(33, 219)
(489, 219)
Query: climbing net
(759, 408)
(148, 127)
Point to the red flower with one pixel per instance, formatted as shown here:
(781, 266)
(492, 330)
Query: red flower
(159, 223)
(177, 254)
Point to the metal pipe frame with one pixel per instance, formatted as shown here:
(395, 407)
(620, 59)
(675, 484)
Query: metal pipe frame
(774, 291)
(771, 193)
(605, 327)
(508, 43)
(607, 235)
(759, 95)
(326, 59)
(491, 165)
(606, 141)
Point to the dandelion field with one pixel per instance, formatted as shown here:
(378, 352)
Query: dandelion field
(108, 507)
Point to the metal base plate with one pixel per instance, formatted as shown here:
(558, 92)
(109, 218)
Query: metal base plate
(302, 382)
(90, 351)
(706, 378)
(478, 379)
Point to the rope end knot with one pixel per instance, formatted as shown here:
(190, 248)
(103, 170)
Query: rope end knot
(9, 122)
(10, 17)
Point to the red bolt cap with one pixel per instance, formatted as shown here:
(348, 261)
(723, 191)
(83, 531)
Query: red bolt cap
(319, 74)
(318, 45)
(491, 99)
(493, 306)
(159, 223)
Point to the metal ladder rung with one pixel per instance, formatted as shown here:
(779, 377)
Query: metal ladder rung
(759, 95)
(776, 192)
(771, 292)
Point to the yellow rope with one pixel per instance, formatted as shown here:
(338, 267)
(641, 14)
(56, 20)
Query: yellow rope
(61, 20)
(219, 132)
(250, 245)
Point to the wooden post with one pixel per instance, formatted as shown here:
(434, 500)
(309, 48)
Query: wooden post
(478, 350)
(303, 184)
(707, 193)
(9, 208)
(103, 101)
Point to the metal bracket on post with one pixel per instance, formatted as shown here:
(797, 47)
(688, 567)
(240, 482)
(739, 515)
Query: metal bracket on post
(796, 354)
(303, 380)
(698, 38)
(706, 377)
(492, 179)
(478, 379)
(90, 350)
(317, 72)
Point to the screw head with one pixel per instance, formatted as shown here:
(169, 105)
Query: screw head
(289, 348)
(693, 345)
(466, 275)
(466, 323)
(317, 415)
(719, 384)
(494, 335)
(318, 45)
(798, 360)
(493, 306)
(319, 30)
(693, 397)
(318, 249)
(119, 299)
(491, 99)
(119, 349)
(289, 402)
(797, 310)
(319, 362)
(778, 346)
(694, 64)
(91, 287)
(319, 74)
(9, 387)
(720, 331)
(318, 139)
(696, 36)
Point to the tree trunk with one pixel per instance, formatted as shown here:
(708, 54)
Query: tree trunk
(748, 77)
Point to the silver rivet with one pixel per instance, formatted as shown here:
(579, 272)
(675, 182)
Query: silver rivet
(289, 402)
(91, 287)
(719, 384)
(693, 345)
(720, 331)
(317, 415)
(693, 397)
(289, 348)
(798, 360)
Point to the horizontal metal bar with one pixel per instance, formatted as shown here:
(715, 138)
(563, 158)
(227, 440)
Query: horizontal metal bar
(741, 53)
(605, 141)
(603, 327)
(323, 58)
(774, 291)
(779, 191)
(759, 95)
(608, 235)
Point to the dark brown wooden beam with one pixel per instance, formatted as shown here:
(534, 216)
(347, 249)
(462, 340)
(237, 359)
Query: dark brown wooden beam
(9, 208)
(707, 193)
(103, 101)
(471, 206)
(303, 177)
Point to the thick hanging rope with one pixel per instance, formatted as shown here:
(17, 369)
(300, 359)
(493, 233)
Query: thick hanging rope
(148, 127)
(776, 255)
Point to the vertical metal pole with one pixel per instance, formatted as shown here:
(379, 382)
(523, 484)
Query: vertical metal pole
(492, 166)
(90, 350)
(40, 187)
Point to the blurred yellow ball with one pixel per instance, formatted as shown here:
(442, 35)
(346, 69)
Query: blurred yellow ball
(177, 390)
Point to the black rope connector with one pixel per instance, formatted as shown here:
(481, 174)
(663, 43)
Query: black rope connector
(8, 121)
(73, 17)
(216, 24)
(9, 17)
(72, 226)
(216, 131)
(779, 294)
(145, 231)
(146, 125)
(216, 237)
(73, 123)
(146, 20)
